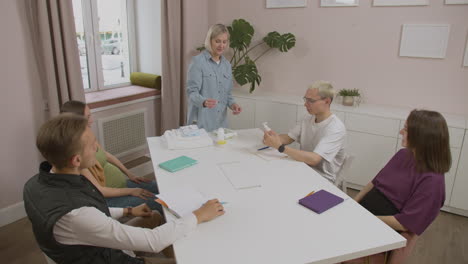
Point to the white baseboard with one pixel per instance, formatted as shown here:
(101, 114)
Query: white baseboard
(455, 210)
(12, 213)
(143, 169)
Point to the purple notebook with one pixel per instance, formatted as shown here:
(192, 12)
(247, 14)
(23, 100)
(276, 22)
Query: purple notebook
(320, 201)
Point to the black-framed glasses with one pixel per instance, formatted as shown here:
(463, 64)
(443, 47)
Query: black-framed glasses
(310, 100)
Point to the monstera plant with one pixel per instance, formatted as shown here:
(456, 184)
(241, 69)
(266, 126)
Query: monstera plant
(244, 68)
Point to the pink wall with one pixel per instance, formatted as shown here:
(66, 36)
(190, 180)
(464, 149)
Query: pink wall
(357, 47)
(20, 105)
(353, 47)
(195, 24)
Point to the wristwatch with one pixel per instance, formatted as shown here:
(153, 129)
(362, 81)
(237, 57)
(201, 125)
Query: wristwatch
(281, 148)
(129, 211)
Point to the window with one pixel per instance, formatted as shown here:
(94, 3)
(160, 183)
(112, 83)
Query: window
(105, 42)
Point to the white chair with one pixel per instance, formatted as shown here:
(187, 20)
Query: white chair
(340, 181)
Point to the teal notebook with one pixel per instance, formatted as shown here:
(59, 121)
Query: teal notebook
(177, 164)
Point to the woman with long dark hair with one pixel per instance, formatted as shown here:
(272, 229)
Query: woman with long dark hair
(409, 191)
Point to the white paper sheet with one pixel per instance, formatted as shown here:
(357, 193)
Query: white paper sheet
(239, 176)
(183, 201)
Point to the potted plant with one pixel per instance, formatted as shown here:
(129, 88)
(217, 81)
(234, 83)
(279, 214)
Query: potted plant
(349, 96)
(244, 68)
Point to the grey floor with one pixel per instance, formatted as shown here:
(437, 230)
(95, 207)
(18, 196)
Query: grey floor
(445, 241)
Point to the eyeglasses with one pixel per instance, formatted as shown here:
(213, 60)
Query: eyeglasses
(310, 100)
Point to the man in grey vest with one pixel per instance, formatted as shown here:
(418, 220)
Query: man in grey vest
(70, 218)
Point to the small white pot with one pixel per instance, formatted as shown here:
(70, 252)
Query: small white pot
(348, 100)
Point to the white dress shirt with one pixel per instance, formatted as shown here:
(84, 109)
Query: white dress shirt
(89, 226)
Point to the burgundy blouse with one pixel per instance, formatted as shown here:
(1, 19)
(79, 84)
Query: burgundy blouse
(418, 196)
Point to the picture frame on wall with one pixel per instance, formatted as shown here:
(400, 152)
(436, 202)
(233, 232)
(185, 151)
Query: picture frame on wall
(285, 3)
(424, 40)
(456, 2)
(400, 2)
(328, 3)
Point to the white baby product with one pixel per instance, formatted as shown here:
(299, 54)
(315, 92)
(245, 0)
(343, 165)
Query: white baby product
(228, 133)
(220, 136)
(187, 137)
(266, 128)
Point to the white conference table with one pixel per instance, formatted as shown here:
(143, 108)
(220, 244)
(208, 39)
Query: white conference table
(266, 224)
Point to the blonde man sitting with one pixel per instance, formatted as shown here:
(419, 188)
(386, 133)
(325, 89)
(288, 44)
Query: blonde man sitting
(321, 134)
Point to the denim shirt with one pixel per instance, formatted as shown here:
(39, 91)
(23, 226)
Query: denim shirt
(207, 79)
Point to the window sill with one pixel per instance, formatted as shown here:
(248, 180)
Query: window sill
(118, 95)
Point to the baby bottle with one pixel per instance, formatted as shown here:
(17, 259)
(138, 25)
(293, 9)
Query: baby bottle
(220, 138)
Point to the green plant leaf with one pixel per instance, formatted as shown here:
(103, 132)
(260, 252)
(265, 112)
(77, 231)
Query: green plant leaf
(241, 33)
(247, 73)
(283, 42)
(244, 69)
(288, 41)
(201, 48)
(349, 92)
(272, 39)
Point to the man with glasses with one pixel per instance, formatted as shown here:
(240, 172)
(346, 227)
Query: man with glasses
(321, 134)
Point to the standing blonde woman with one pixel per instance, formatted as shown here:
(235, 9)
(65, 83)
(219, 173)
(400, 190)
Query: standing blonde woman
(209, 83)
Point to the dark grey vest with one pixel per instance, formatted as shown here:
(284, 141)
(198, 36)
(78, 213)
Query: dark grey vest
(48, 197)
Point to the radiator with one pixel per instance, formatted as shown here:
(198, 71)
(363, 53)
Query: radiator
(124, 133)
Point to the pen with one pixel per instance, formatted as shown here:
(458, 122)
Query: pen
(263, 148)
(223, 202)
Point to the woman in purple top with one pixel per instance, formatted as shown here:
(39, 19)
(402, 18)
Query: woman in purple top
(409, 191)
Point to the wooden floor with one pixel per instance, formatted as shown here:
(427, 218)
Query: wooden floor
(444, 242)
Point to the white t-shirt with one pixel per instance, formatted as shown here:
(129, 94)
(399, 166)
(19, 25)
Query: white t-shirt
(326, 139)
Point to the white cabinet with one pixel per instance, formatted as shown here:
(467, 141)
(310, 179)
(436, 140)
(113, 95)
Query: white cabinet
(450, 176)
(280, 117)
(372, 125)
(246, 119)
(340, 115)
(459, 197)
(372, 141)
(456, 140)
(371, 153)
(456, 137)
(301, 112)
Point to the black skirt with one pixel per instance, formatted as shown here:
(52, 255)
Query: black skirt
(376, 203)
